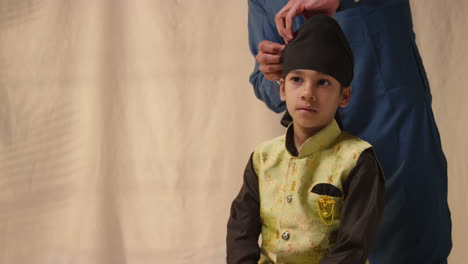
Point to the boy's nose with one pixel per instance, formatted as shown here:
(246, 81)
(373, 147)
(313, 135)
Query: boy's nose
(308, 93)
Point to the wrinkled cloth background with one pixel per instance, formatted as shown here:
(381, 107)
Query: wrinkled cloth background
(125, 126)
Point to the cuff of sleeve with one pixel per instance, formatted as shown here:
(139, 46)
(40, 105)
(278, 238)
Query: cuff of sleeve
(347, 4)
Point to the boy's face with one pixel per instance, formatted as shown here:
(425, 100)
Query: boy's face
(312, 97)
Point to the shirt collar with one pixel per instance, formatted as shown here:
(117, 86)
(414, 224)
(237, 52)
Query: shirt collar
(317, 142)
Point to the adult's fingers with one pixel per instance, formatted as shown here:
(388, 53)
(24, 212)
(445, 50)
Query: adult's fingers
(270, 47)
(276, 76)
(269, 58)
(270, 68)
(264, 58)
(279, 19)
(289, 19)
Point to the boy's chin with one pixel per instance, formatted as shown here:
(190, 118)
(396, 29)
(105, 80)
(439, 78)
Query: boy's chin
(307, 124)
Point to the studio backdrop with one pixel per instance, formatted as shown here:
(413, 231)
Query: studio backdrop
(125, 125)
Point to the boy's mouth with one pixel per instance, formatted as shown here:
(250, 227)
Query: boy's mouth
(307, 109)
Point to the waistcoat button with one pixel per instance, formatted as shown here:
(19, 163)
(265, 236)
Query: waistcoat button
(285, 236)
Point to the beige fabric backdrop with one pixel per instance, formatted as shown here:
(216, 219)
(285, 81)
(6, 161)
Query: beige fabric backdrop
(125, 126)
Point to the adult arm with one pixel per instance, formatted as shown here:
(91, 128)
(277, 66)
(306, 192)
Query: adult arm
(284, 18)
(262, 29)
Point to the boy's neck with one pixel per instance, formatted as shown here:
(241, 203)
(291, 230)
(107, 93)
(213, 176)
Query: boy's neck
(301, 134)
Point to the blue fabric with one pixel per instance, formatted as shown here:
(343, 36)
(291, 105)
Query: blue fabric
(391, 109)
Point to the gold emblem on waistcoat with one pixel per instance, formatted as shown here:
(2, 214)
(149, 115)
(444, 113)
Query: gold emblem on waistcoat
(326, 209)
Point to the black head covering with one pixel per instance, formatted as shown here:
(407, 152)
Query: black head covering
(320, 45)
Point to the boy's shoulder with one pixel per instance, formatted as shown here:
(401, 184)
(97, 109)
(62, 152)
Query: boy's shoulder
(346, 145)
(273, 144)
(269, 149)
(346, 139)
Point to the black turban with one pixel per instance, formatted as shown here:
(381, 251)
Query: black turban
(320, 45)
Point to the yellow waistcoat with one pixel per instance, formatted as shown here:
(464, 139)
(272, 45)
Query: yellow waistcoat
(298, 225)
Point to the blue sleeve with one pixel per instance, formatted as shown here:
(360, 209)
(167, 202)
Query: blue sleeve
(261, 27)
(346, 4)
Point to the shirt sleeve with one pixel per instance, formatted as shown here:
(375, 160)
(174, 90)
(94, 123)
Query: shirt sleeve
(244, 225)
(261, 27)
(346, 4)
(361, 212)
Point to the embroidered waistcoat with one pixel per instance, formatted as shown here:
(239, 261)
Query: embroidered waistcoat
(299, 204)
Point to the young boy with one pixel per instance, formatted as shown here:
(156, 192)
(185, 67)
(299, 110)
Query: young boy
(316, 194)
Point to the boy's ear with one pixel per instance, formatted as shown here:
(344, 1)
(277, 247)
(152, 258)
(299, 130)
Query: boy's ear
(282, 90)
(345, 96)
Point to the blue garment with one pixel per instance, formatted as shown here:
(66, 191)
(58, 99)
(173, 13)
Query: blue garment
(391, 109)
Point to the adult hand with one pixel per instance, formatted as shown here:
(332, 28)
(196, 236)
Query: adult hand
(284, 18)
(269, 58)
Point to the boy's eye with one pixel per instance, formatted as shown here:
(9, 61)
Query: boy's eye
(323, 82)
(296, 79)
